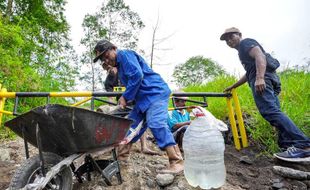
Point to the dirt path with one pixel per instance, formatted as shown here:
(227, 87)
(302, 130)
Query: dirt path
(253, 171)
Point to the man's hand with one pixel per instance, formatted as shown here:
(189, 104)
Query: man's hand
(240, 82)
(260, 85)
(122, 102)
(181, 124)
(112, 70)
(228, 89)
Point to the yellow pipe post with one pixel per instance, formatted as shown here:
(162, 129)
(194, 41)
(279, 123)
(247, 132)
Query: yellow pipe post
(2, 101)
(234, 130)
(119, 89)
(170, 109)
(71, 94)
(242, 131)
(5, 94)
(81, 102)
(6, 112)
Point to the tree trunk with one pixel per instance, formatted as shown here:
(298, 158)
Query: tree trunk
(93, 77)
(152, 50)
(9, 9)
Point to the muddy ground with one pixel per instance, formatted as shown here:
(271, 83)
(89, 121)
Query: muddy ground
(246, 169)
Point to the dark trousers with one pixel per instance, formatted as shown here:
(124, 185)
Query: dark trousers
(178, 135)
(269, 107)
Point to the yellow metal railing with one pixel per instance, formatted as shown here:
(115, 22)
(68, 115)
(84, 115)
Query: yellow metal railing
(242, 131)
(2, 102)
(119, 89)
(237, 123)
(81, 102)
(238, 131)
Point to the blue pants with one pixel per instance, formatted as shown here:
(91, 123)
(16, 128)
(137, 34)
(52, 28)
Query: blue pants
(155, 118)
(269, 107)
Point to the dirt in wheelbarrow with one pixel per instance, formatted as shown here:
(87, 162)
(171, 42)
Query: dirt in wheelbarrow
(246, 169)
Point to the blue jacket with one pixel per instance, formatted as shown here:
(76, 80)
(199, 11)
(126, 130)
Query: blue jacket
(142, 84)
(176, 117)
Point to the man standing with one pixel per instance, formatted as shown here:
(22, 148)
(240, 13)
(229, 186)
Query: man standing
(265, 85)
(151, 95)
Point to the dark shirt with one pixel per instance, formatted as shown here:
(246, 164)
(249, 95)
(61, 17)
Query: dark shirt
(110, 82)
(246, 60)
(142, 84)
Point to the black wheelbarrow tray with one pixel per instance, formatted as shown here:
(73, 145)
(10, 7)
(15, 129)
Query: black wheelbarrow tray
(63, 134)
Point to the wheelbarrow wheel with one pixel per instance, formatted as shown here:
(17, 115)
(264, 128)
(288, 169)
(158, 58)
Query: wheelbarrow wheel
(30, 171)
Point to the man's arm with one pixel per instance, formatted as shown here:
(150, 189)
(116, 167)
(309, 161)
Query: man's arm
(240, 82)
(260, 62)
(181, 124)
(134, 75)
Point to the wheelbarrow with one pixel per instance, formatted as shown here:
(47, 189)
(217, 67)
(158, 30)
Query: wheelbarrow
(62, 135)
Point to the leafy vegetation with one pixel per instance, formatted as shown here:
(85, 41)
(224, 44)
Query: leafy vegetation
(116, 22)
(294, 99)
(35, 54)
(35, 50)
(196, 70)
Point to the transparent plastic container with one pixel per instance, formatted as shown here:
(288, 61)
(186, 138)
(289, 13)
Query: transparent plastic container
(204, 147)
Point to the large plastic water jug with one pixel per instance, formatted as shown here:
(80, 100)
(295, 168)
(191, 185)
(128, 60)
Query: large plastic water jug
(203, 146)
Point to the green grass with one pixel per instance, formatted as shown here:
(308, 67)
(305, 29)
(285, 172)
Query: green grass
(294, 99)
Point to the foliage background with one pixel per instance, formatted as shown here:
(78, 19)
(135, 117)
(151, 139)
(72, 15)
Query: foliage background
(116, 22)
(35, 51)
(196, 70)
